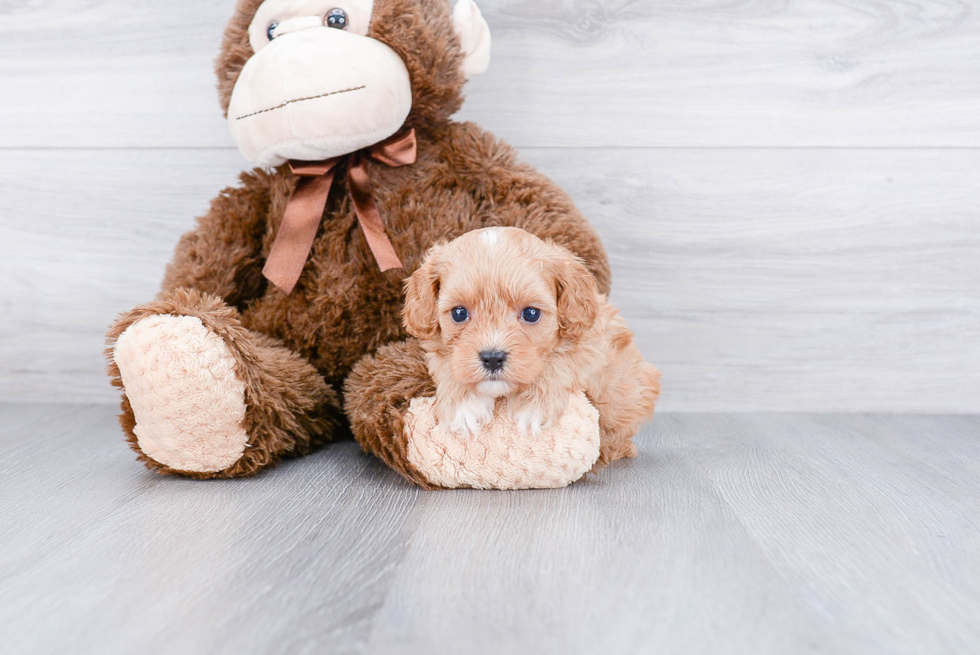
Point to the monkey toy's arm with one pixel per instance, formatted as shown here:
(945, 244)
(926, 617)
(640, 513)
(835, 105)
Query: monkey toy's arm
(529, 200)
(512, 193)
(203, 396)
(222, 255)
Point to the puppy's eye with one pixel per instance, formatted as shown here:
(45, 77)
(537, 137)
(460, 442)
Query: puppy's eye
(270, 31)
(531, 315)
(460, 314)
(336, 18)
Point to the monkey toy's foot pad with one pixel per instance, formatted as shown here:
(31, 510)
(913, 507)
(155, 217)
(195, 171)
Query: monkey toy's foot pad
(500, 456)
(188, 402)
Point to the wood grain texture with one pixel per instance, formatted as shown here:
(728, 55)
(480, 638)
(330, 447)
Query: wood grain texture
(815, 280)
(730, 533)
(565, 73)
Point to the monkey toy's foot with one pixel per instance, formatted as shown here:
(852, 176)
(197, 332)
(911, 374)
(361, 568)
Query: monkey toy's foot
(188, 401)
(206, 398)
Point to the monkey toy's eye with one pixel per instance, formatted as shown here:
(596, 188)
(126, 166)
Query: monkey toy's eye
(336, 18)
(531, 314)
(269, 31)
(460, 314)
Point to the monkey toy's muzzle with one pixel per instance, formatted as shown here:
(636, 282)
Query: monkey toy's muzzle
(317, 93)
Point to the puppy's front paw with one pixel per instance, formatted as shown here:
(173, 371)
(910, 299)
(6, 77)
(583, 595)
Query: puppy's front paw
(471, 415)
(530, 423)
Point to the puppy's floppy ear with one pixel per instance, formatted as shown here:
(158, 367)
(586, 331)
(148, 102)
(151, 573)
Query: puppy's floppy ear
(577, 296)
(420, 315)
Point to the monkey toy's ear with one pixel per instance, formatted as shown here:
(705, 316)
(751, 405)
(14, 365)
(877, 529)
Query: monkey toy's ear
(474, 35)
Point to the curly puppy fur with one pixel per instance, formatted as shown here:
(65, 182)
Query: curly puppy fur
(343, 308)
(471, 300)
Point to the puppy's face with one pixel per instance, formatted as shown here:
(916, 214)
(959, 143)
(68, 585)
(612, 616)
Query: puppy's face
(494, 304)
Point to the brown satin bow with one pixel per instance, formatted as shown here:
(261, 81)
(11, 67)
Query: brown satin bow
(305, 209)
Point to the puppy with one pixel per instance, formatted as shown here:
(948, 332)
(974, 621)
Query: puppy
(504, 316)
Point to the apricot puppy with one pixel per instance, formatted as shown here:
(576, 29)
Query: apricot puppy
(506, 317)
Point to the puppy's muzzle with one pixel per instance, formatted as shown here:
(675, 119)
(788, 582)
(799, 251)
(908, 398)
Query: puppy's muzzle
(493, 360)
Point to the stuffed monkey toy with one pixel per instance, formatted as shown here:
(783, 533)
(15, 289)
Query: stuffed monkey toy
(278, 325)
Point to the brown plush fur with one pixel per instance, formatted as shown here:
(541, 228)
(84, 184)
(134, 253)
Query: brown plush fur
(343, 307)
(289, 408)
(378, 391)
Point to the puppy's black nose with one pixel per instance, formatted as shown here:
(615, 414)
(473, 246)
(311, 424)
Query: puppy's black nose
(493, 360)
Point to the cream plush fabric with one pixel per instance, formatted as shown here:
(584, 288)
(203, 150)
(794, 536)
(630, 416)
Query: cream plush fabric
(500, 457)
(188, 401)
(290, 103)
(474, 37)
(313, 92)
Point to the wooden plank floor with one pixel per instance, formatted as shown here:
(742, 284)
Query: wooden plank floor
(767, 533)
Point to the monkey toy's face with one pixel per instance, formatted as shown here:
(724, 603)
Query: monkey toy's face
(322, 82)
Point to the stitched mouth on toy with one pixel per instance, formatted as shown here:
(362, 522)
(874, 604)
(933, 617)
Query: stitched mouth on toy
(298, 100)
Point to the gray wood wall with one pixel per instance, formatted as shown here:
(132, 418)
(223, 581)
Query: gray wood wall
(788, 190)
